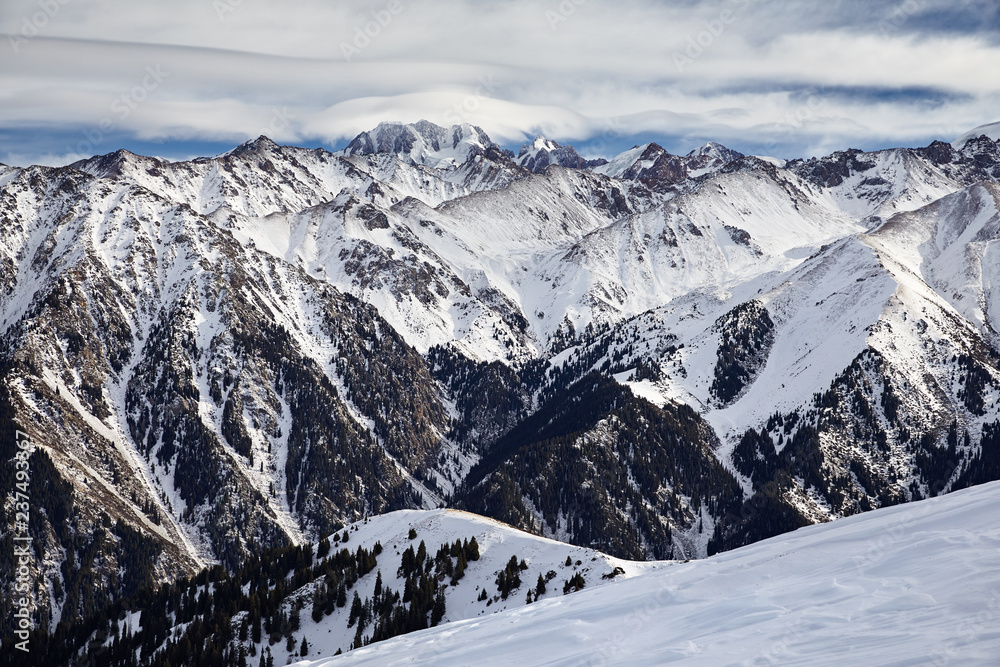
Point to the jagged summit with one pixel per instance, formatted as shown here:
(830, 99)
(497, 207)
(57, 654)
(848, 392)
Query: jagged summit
(990, 131)
(111, 164)
(542, 152)
(261, 143)
(653, 162)
(424, 143)
(712, 148)
(430, 145)
(710, 157)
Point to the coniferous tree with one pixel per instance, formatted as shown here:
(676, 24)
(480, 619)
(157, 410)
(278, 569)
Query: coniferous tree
(356, 608)
(459, 571)
(341, 595)
(319, 603)
(439, 608)
(421, 554)
(575, 583)
(255, 628)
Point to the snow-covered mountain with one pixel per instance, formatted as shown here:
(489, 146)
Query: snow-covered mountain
(424, 143)
(661, 356)
(650, 162)
(990, 131)
(904, 585)
(542, 152)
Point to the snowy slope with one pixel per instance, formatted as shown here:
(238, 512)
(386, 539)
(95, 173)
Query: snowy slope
(460, 272)
(620, 163)
(952, 246)
(728, 231)
(905, 311)
(916, 584)
(497, 543)
(940, 261)
(108, 287)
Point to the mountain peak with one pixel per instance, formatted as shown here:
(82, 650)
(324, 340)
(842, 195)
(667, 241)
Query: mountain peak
(648, 161)
(542, 152)
(713, 149)
(108, 165)
(423, 143)
(540, 143)
(709, 158)
(262, 140)
(990, 131)
(653, 162)
(261, 143)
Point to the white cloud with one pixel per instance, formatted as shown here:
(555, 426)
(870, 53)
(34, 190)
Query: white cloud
(45, 159)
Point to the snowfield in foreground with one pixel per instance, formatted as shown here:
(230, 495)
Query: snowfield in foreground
(907, 585)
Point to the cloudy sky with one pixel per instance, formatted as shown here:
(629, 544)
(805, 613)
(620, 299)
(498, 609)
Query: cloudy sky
(780, 77)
